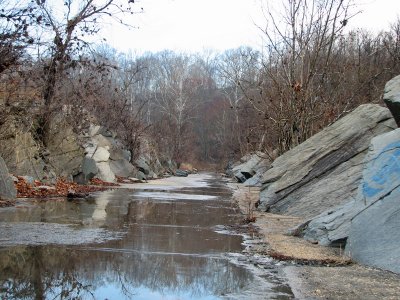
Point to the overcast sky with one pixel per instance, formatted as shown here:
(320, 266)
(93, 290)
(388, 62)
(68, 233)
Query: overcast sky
(193, 25)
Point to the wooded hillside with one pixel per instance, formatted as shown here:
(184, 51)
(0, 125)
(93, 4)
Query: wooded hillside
(205, 108)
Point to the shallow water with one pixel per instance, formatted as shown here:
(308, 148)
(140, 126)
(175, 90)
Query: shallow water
(150, 243)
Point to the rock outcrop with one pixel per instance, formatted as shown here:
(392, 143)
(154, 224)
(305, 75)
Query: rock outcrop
(345, 181)
(7, 188)
(374, 236)
(369, 223)
(391, 97)
(89, 170)
(105, 157)
(96, 152)
(65, 152)
(24, 154)
(251, 168)
(19, 149)
(324, 171)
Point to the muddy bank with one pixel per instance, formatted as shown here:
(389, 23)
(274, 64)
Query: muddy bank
(315, 272)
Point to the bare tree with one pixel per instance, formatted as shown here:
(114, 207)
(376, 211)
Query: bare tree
(239, 70)
(298, 57)
(14, 31)
(70, 28)
(173, 99)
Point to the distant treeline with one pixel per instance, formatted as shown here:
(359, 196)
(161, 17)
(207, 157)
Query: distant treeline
(208, 107)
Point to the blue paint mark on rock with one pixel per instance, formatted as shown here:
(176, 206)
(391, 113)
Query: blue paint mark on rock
(383, 173)
(374, 235)
(369, 191)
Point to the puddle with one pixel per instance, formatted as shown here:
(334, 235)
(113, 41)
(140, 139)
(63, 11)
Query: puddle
(174, 196)
(149, 243)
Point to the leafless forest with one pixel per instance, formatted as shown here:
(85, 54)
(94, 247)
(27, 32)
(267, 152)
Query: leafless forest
(205, 108)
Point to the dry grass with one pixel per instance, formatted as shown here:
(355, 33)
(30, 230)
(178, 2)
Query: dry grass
(273, 228)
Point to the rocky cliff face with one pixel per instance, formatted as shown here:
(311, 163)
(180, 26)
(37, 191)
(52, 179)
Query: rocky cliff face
(380, 179)
(23, 154)
(95, 153)
(19, 149)
(7, 188)
(324, 171)
(64, 150)
(374, 235)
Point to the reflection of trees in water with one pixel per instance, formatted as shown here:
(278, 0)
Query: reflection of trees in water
(133, 262)
(28, 273)
(58, 210)
(55, 272)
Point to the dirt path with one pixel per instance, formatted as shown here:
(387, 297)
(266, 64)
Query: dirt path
(321, 272)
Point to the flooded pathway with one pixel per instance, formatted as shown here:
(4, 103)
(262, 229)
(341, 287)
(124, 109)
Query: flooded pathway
(157, 241)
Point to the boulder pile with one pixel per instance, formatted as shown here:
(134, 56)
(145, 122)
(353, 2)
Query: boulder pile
(95, 153)
(107, 159)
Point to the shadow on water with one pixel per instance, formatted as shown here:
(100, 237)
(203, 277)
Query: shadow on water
(123, 244)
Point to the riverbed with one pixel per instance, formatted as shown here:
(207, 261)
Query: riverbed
(167, 239)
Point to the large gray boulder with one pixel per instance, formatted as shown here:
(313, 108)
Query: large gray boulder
(260, 169)
(122, 167)
(142, 165)
(101, 154)
(117, 153)
(102, 141)
(330, 228)
(105, 172)
(248, 168)
(100, 130)
(251, 164)
(156, 166)
(374, 237)
(108, 157)
(7, 188)
(88, 171)
(168, 165)
(324, 171)
(391, 97)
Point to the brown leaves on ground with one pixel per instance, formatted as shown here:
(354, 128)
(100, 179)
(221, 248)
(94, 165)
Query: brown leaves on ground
(62, 188)
(6, 203)
(121, 179)
(99, 182)
(318, 262)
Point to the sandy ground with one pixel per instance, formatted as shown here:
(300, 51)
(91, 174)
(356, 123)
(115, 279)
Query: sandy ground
(321, 272)
(170, 183)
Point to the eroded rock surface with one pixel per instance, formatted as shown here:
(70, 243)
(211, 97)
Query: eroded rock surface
(324, 171)
(65, 152)
(251, 168)
(369, 223)
(374, 237)
(392, 97)
(24, 154)
(7, 188)
(19, 149)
